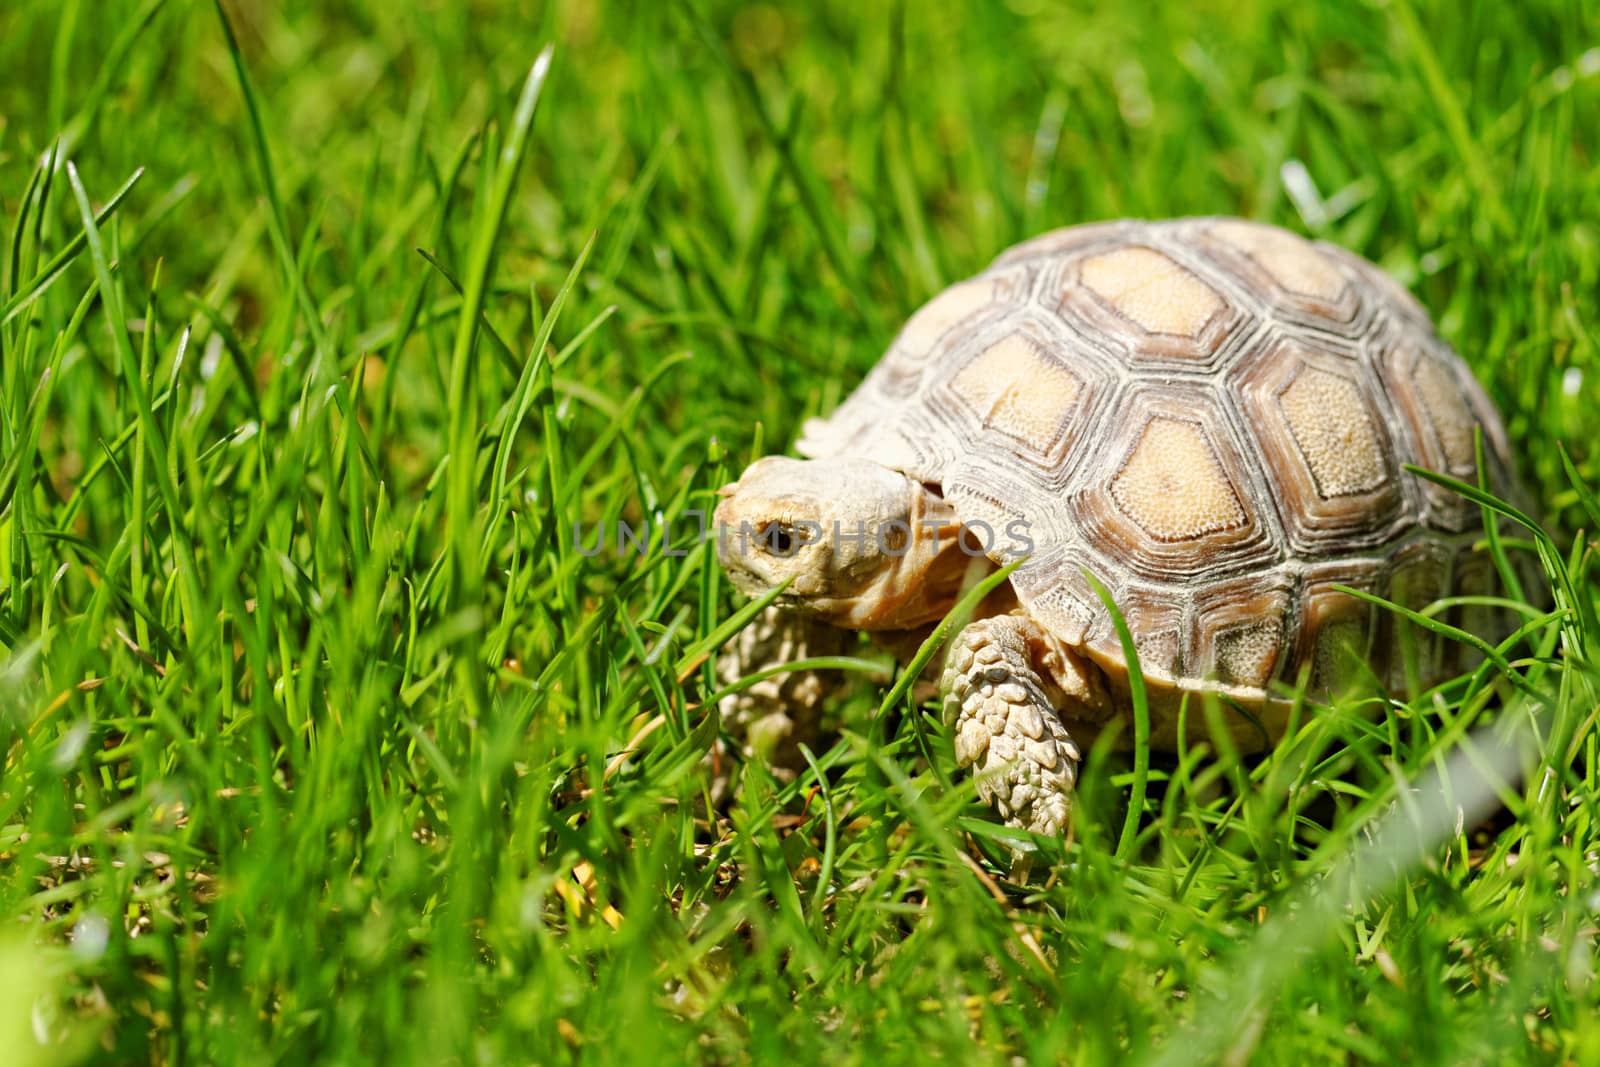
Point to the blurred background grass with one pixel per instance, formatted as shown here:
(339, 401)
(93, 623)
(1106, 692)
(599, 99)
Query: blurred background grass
(302, 826)
(809, 173)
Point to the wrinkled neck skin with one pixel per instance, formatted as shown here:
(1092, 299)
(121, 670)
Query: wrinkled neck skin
(917, 588)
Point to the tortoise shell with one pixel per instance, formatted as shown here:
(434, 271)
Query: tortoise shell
(1211, 416)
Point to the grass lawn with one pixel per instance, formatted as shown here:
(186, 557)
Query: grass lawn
(321, 741)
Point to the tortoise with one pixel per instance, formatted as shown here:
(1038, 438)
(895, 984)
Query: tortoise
(1210, 418)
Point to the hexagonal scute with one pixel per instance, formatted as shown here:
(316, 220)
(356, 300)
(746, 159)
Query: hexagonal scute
(1145, 286)
(1023, 393)
(1052, 588)
(1247, 654)
(1434, 407)
(1397, 300)
(1292, 262)
(1327, 416)
(1445, 408)
(1336, 629)
(1167, 496)
(1242, 628)
(1173, 485)
(1292, 273)
(1143, 303)
(1014, 387)
(1006, 514)
(1155, 618)
(1329, 459)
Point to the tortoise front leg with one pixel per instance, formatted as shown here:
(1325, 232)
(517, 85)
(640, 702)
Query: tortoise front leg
(770, 720)
(998, 688)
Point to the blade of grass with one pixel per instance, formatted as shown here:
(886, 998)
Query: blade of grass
(1140, 702)
(116, 323)
(461, 479)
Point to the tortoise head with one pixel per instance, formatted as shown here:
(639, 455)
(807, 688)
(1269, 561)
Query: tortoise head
(860, 545)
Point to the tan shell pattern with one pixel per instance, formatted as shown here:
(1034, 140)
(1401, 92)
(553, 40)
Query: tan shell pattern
(1212, 417)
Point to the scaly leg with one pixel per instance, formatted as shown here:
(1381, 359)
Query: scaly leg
(771, 719)
(1004, 682)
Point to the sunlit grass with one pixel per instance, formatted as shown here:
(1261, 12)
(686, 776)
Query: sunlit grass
(323, 741)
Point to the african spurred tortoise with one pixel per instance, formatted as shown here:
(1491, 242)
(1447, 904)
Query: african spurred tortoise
(1208, 415)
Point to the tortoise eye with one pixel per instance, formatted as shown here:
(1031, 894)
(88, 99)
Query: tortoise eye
(779, 538)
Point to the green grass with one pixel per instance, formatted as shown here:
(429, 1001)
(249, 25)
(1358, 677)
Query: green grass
(313, 719)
